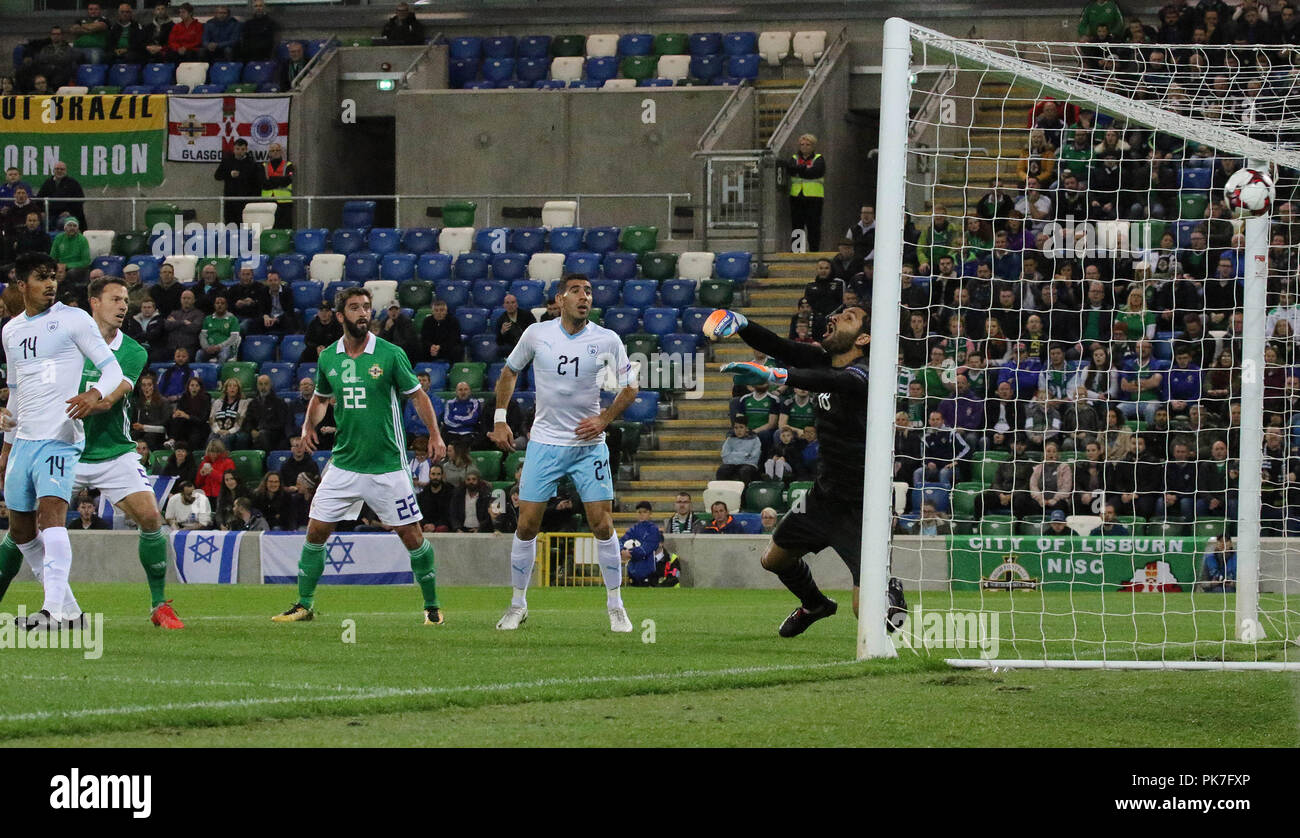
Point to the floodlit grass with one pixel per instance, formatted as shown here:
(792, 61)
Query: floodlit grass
(715, 674)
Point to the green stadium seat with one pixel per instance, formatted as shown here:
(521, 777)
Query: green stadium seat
(1165, 529)
(988, 469)
(717, 293)
(415, 294)
(596, 315)
(1213, 527)
(995, 525)
(761, 494)
(1148, 231)
(639, 240)
(797, 490)
(241, 87)
(659, 266)
(245, 371)
(631, 437)
(249, 465)
(131, 244)
(1133, 522)
(156, 214)
(963, 500)
(569, 46)
(639, 67)
(158, 460)
(471, 372)
(225, 268)
(488, 463)
(672, 43)
(105, 90)
(276, 242)
(358, 42)
(458, 213)
(420, 316)
(641, 344)
(503, 485)
(1191, 206)
(513, 460)
(1001, 456)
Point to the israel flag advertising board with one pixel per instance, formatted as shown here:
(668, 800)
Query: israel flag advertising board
(350, 559)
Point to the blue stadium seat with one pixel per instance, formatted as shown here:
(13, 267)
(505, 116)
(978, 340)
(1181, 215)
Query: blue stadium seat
(750, 523)
(361, 267)
(655, 83)
(693, 319)
(467, 46)
(1197, 179)
(461, 71)
(606, 293)
(529, 292)
(678, 293)
(359, 214)
(679, 343)
(149, 267)
(534, 46)
(740, 43)
(472, 320)
(275, 460)
(483, 347)
(268, 87)
(411, 421)
(705, 43)
(110, 265)
(602, 239)
(306, 370)
(259, 72)
(492, 240)
(533, 70)
(225, 73)
(258, 348)
(566, 239)
(640, 293)
(733, 265)
(621, 319)
(587, 83)
(659, 320)
(433, 267)
(619, 266)
(124, 75)
(321, 458)
(309, 314)
(514, 84)
(311, 242)
(479, 85)
(490, 293)
(471, 266)
(437, 371)
(936, 493)
(602, 69)
(644, 408)
(260, 263)
(158, 74)
(509, 267)
(172, 89)
(502, 46)
(92, 75)
(420, 240)
(348, 240)
(399, 267)
(138, 90)
(455, 293)
(526, 402)
(497, 70)
(527, 240)
(1183, 231)
(635, 43)
(306, 294)
(292, 267)
(208, 374)
(549, 84)
(1195, 162)
(582, 262)
(384, 240)
(203, 89)
(706, 67)
(333, 288)
(743, 66)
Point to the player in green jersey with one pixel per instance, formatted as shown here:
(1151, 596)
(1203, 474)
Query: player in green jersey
(366, 377)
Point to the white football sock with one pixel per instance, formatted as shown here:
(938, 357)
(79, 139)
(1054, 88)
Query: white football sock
(523, 555)
(59, 600)
(608, 554)
(34, 554)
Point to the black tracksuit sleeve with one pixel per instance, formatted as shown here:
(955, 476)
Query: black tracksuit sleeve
(787, 352)
(807, 365)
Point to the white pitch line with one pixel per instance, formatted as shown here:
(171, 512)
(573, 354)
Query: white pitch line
(398, 692)
(190, 683)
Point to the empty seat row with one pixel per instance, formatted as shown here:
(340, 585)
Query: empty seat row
(773, 46)
(456, 240)
(532, 72)
(190, 73)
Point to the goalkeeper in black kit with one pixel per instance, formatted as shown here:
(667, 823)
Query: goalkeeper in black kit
(831, 514)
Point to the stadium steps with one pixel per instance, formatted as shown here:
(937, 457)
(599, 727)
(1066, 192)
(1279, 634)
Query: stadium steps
(775, 96)
(999, 125)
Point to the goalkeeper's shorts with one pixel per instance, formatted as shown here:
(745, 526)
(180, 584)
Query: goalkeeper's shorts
(820, 522)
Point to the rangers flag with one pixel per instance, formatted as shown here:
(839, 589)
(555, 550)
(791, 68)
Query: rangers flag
(201, 128)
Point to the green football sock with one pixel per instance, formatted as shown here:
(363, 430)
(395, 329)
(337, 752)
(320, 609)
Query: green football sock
(11, 561)
(425, 575)
(152, 549)
(310, 567)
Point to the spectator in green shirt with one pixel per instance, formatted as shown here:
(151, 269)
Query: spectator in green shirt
(799, 411)
(935, 376)
(71, 250)
(1137, 320)
(91, 34)
(1100, 12)
(220, 337)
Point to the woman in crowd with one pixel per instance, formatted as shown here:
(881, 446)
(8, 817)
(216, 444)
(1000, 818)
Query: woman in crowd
(181, 466)
(227, 416)
(232, 489)
(191, 416)
(273, 502)
(150, 412)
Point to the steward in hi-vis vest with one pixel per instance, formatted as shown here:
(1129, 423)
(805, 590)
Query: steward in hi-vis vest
(278, 184)
(807, 171)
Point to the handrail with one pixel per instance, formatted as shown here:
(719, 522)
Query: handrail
(723, 117)
(410, 69)
(924, 115)
(331, 45)
(809, 90)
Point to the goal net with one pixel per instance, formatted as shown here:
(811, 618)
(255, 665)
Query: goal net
(1095, 421)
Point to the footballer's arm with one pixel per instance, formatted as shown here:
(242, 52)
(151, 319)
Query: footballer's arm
(505, 390)
(315, 413)
(103, 405)
(593, 426)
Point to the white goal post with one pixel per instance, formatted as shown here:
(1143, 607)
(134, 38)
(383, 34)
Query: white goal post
(1083, 616)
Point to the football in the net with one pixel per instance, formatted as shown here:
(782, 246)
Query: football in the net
(1249, 192)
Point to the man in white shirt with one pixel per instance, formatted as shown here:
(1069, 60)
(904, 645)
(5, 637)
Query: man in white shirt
(188, 509)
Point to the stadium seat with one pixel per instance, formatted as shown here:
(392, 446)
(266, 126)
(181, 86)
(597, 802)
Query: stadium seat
(483, 348)
(740, 43)
(1183, 232)
(361, 267)
(602, 69)
(311, 242)
(275, 242)
(456, 240)
(641, 344)
(471, 372)
(716, 293)
(123, 75)
(461, 71)
(207, 373)
(707, 67)
(306, 294)
(619, 84)
(259, 72)
(433, 267)
(208, 89)
(420, 240)
(501, 46)
(326, 267)
(1194, 178)
(533, 70)
(527, 240)
(774, 47)
(497, 70)
(138, 90)
(244, 371)
(268, 87)
(489, 293)
(130, 244)
(111, 265)
(275, 460)
(640, 293)
(582, 262)
(679, 343)
(644, 409)
(620, 266)
(566, 239)
(466, 47)
(225, 267)
(480, 85)
(622, 320)
(471, 266)
(601, 240)
(248, 465)
(291, 267)
(727, 491)
(569, 45)
(321, 459)
(678, 293)
(509, 267)
(673, 67)
(743, 66)
(546, 266)
(459, 213)
(241, 87)
(359, 214)
(383, 292)
(734, 265)
(172, 89)
(559, 214)
(158, 74)
(415, 293)
(261, 213)
(183, 267)
(149, 266)
(488, 463)
(348, 240)
(490, 240)
(100, 241)
(693, 319)
(606, 292)
(567, 69)
(705, 43)
(455, 293)
(602, 45)
(659, 266)
(1191, 205)
(92, 75)
(473, 320)
(382, 241)
(639, 240)
(398, 267)
(659, 320)
(534, 46)
(258, 349)
(633, 44)
(529, 293)
(655, 83)
(809, 46)
(225, 72)
(306, 370)
(761, 494)
(696, 265)
(639, 67)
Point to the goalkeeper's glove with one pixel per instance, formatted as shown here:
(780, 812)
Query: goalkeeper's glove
(748, 372)
(723, 323)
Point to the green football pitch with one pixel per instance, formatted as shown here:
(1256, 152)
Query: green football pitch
(709, 671)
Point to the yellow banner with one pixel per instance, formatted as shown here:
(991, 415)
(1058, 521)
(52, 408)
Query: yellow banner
(82, 114)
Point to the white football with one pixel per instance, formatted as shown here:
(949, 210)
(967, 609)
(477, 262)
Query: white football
(1249, 192)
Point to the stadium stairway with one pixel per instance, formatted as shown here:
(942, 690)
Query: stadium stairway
(775, 96)
(686, 456)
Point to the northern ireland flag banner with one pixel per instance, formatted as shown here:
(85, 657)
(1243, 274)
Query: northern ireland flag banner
(350, 559)
(201, 128)
(207, 556)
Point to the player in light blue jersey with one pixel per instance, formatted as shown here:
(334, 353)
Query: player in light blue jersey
(571, 358)
(46, 347)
